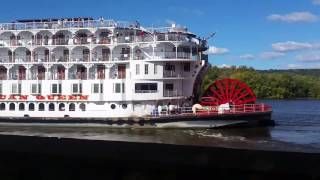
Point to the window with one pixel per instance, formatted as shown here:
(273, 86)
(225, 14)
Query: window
(155, 70)
(82, 107)
(21, 107)
(186, 67)
(76, 88)
(146, 69)
(124, 106)
(137, 69)
(51, 107)
(16, 89)
(168, 87)
(41, 107)
(12, 107)
(146, 87)
(119, 88)
(61, 107)
(31, 107)
(72, 107)
(113, 106)
(97, 88)
(2, 106)
(35, 88)
(56, 88)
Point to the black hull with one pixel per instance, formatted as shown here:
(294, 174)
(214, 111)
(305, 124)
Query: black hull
(246, 119)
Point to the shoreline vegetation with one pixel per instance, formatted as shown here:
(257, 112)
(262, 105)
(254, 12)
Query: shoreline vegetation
(270, 84)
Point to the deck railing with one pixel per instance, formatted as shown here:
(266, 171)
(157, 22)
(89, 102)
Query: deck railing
(212, 110)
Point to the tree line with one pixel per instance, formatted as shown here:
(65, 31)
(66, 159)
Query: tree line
(271, 84)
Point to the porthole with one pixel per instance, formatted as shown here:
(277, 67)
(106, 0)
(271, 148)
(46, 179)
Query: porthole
(113, 106)
(124, 106)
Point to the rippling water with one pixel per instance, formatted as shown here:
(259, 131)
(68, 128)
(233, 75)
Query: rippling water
(297, 129)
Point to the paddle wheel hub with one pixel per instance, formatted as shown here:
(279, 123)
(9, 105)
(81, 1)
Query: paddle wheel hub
(230, 91)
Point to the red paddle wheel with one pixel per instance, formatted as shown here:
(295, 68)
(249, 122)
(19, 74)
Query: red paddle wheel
(228, 91)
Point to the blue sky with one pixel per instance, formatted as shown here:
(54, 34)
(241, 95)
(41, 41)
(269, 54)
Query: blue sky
(264, 34)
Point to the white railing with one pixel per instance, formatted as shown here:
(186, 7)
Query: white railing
(171, 93)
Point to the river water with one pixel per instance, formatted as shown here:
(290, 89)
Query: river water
(297, 129)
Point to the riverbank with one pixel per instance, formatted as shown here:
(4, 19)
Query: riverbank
(64, 158)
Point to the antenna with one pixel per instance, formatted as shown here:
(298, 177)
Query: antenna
(210, 36)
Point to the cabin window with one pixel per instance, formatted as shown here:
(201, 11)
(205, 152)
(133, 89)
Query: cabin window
(76, 88)
(97, 88)
(146, 87)
(155, 69)
(16, 89)
(124, 106)
(41, 107)
(21, 107)
(82, 107)
(56, 88)
(61, 107)
(113, 106)
(2, 106)
(72, 107)
(12, 107)
(31, 107)
(35, 88)
(137, 69)
(51, 107)
(118, 88)
(146, 69)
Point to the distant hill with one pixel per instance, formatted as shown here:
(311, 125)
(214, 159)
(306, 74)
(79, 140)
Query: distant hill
(306, 72)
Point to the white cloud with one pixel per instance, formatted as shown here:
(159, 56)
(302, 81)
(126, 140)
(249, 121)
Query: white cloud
(216, 51)
(247, 57)
(291, 46)
(271, 55)
(309, 58)
(294, 17)
(316, 2)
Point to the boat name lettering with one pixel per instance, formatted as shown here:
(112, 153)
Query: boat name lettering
(47, 97)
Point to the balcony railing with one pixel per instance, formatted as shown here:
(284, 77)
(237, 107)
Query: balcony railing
(78, 75)
(171, 93)
(121, 57)
(169, 74)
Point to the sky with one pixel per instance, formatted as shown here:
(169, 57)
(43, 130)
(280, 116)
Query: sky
(263, 34)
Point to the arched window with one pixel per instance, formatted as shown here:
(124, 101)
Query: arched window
(41, 107)
(82, 107)
(72, 107)
(61, 107)
(31, 107)
(21, 107)
(51, 107)
(12, 107)
(2, 106)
